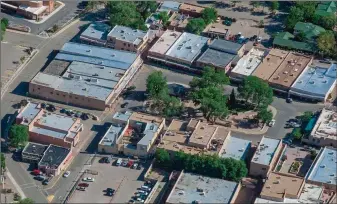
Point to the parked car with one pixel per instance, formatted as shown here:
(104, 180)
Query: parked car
(36, 172)
(105, 160)
(88, 179)
(289, 100)
(80, 188)
(271, 123)
(130, 163)
(51, 108)
(125, 163)
(84, 116)
(83, 184)
(110, 191)
(63, 110)
(45, 182)
(134, 166)
(43, 105)
(124, 105)
(119, 162)
(139, 167)
(66, 174)
(39, 178)
(77, 114)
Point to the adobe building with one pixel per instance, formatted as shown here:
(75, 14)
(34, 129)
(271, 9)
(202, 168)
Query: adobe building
(30, 9)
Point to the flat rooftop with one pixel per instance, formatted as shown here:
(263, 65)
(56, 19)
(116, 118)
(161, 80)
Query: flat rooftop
(285, 200)
(187, 47)
(235, 148)
(265, 151)
(217, 58)
(29, 112)
(34, 10)
(145, 118)
(149, 133)
(326, 124)
(310, 193)
(249, 62)
(97, 55)
(34, 148)
(270, 63)
(315, 81)
(54, 156)
(226, 46)
(165, 42)
(190, 7)
(202, 134)
(279, 186)
(97, 31)
(77, 86)
(290, 69)
(324, 169)
(127, 34)
(122, 116)
(216, 190)
(169, 6)
(217, 28)
(112, 134)
(56, 67)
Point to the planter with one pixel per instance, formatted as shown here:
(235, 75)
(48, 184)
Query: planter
(295, 167)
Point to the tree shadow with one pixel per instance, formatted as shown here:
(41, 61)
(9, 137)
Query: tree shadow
(259, 13)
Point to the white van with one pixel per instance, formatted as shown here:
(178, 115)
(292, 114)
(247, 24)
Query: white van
(119, 162)
(145, 188)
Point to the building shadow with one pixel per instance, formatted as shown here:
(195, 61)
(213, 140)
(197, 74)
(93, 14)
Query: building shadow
(21, 89)
(50, 58)
(100, 129)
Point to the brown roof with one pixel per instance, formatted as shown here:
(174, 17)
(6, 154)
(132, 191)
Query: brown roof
(270, 63)
(278, 185)
(146, 118)
(290, 69)
(203, 134)
(190, 7)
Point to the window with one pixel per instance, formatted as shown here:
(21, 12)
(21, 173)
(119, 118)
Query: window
(38, 88)
(70, 96)
(64, 95)
(124, 44)
(128, 45)
(76, 97)
(122, 49)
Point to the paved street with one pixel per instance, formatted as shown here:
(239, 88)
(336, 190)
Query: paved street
(69, 9)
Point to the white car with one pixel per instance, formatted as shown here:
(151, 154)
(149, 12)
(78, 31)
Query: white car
(66, 174)
(88, 179)
(271, 123)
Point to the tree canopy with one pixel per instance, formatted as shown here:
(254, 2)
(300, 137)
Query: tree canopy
(328, 22)
(308, 8)
(156, 85)
(208, 165)
(274, 6)
(209, 15)
(18, 135)
(297, 133)
(295, 15)
(196, 26)
(4, 24)
(326, 43)
(26, 201)
(256, 91)
(164, 17)
(264, 115)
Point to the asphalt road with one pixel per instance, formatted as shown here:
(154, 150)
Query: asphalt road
(68, 10)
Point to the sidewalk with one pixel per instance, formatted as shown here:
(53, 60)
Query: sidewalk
(10, 183)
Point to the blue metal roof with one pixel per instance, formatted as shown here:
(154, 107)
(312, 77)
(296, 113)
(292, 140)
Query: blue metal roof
(315, 81)
(324, 170)
(127, 34)
(97, 31)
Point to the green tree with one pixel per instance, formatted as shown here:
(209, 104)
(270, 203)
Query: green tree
(274, 6)
(3, 161)
(328, 22)
(145, 8)
(297, 133)
(256, 4)
(296, 15)
(156, 85)
(210, 77)
(308, 8)
(256, 91)
(172, 106)
(326, 43)
(18, 135)
(163, 16)
(306, 117)
(264, 115)
(196, 26)
(26, 201)
(232, 99)
(313, 154)
(209, 15)
(4, 21)
(163, 159)
(300, 36)
(261, 24)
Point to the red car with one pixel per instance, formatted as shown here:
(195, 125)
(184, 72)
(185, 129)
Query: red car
(130, 163)
(36, 172)
(83, 185)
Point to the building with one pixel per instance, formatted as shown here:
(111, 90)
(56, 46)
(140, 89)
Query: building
(49, 128)
(310, 31)
(33, 152)
(265, 157)
(279, 186)
(247, 64)
(323, 171)
(185, 50)
(93, 78)
(163, 44)
(153, 22)
(178, 21)
(96, 34)
(193, 137)
(216, 31)
(270, 63)
(287, 40)
(326, 8)
(169, 6)
(55, 159)
(194, 188)
(316, 83)
(220, 55)
(34, 10)
(191, 10)
(324, 132)
(126, 38)
(235, 148)
(287, 73)
(131, 134)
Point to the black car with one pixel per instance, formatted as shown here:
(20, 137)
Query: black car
(45, 182)
(39, 178)
(110, 191)
(105, 160)
(139, 167)
(84, 116)
(43, 105)
(124, 105)
(51, 108)
(289, 100)
(63, 110)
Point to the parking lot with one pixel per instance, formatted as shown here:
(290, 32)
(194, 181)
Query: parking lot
(125, 181)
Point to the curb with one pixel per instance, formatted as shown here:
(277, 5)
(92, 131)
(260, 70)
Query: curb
(4, 89)
(65, 28)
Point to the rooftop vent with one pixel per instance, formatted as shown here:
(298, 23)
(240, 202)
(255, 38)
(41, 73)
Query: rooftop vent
(88, 50)
(325, 81)
(312, 82)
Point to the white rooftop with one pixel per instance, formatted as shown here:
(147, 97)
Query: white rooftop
(310, 194)
(249, 62)
(164, 43)
(265, 151)
(326, 124)
(127, 34)
(235, 148)
(286, 200)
